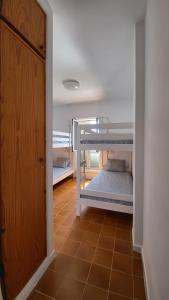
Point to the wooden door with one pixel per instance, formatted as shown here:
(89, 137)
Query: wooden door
(28, 18)
(22, 156)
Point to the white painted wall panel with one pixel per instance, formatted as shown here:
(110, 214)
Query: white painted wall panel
(156, 179)
(116, 111)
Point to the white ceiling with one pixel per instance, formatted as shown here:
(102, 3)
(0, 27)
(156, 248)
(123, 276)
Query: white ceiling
(94, 44)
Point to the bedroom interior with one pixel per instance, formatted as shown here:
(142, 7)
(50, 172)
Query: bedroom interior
(94, 205)
(83, 149)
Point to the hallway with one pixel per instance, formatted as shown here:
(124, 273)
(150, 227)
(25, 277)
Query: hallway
(95, 258)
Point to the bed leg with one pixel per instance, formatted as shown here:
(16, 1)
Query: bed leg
(78, 210)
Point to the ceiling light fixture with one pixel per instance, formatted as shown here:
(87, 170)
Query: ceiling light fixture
(71, 84)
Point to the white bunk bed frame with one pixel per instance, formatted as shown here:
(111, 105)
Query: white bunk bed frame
(63, 176)
(116, 137)
(62, 140)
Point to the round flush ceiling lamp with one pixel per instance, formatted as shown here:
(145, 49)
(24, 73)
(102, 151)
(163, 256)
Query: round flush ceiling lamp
(71, 84)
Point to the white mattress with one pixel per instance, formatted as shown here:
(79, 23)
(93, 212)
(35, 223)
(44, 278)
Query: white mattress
(59, 172)
(113, 182)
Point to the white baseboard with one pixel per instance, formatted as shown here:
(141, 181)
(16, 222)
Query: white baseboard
(146, 280)
(136, 247)
(139, 249)
(36, 277)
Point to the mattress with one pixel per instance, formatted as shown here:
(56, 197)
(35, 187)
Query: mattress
(113, 142)
(111, 182)
(58, 172)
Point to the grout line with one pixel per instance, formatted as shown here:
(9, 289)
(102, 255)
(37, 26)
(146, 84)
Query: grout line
(43, 294)
(112, 263)
(92, 261)
(125, 297)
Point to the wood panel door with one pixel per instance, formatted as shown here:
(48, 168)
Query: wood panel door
(22, 157)
(28, 18)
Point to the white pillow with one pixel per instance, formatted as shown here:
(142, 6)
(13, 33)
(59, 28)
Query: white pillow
(115, 165)
(61, 162)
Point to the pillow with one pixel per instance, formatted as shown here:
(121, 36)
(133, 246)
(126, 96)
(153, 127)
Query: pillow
(61, 162)
(115, 165)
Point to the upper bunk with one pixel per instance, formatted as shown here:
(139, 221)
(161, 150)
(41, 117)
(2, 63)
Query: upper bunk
(61, 139)
(110, 136)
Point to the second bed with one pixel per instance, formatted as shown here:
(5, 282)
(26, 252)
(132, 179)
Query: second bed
(109, 190)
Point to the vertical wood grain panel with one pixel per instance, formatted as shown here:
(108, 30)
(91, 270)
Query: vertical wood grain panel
(22, 156)
(28, 18)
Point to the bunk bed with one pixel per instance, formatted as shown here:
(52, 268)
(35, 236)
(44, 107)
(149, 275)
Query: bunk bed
(62, 156)
(110, 189)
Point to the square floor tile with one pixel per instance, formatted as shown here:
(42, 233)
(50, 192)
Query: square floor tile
(70, 289)
(122, 262)
(79, 270)
(139, 290)
(50, 283)
(123, 247)
(61, 264)
(121, 283)
(103, 257)
(90, 238)
(81, 224)
(76, 235)
(124, 217)
(86, 252)
(122, 234)
(99, 276)
(70, 247)
(137, 267)
(94, 293)
(63, 231)
(108, 230)
(136, 255)
(96, 228)
(97, 218)
(110, 220)
(106, 242)
(124, 224)
(59, 242)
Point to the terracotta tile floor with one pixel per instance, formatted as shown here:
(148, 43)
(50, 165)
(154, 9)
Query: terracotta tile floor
(95, 258)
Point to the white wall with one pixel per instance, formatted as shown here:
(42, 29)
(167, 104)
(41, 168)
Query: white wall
(156, 184)
(116, 111)
(139, 134)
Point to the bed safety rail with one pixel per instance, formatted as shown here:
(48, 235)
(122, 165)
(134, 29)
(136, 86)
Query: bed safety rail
(61, 139)
(110, 136)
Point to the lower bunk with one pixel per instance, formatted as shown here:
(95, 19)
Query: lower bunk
(108, 190)
(60, 174)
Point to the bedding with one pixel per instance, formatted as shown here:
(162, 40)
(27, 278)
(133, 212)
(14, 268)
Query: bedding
(115, 165)
(57, 172)
(61, 162)
(112, 182)
(97, 142)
